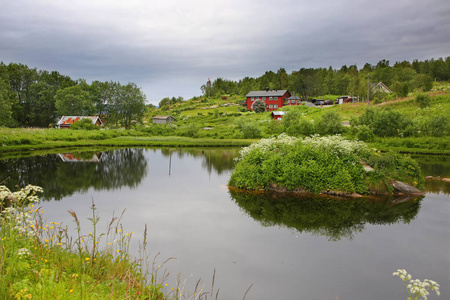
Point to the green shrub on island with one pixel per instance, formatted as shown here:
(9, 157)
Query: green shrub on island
(321, 164)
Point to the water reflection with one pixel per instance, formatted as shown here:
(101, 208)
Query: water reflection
(80, 157)
(437, 166)
(325, 216)
(58, 178)
(434, 165)
(214, 159)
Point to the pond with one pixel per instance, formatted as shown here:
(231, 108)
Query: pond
(284, 247)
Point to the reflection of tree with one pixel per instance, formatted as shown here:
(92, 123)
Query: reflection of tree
(126, 167)
(218, 159)
(330, 217)
(434, 165)
(437, 186)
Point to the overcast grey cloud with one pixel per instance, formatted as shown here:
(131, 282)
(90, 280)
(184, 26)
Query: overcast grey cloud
(171, 47)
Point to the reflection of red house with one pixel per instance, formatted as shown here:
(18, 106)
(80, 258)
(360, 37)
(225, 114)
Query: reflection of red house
(67, 121)
(69, 157)
(274, 99)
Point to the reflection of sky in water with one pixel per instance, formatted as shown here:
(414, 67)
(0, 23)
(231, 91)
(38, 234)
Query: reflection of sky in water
(191, 216)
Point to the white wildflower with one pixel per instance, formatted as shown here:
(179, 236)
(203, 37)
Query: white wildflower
(23, 252)
(417, 288)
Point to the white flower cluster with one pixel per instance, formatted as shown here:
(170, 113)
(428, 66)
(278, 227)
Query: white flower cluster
(18, 214)
(28, 193)
(416, 287)
(266, 145)
(21, 220)
(336, 144)
(23, 252)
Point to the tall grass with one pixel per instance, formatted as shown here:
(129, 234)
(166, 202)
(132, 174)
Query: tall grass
(43, 260)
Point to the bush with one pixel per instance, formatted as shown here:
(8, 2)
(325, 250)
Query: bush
(249, 130)
(295, 123)
(423, 100)
(330, 123)
(259, 106)
(365, 134)
(84, 124)
(384, 122)
(191, 130)
(437, 124)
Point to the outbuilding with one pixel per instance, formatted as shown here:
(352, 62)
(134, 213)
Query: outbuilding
(278, 115)
(163, 119)
(293, 100)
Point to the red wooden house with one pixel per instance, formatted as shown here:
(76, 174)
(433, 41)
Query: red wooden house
(274, 99)
(67, 121)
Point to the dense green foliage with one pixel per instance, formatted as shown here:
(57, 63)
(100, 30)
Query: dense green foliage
(33, 98)
(430, 118)
(402, 77)
(85, 124)
(320, 164)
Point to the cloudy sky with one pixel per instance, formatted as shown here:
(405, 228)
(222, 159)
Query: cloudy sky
(171, 47)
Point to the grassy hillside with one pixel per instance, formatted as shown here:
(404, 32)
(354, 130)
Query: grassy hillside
(403, 124)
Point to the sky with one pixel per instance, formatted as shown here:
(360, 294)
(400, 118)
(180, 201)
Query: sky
(170, 48)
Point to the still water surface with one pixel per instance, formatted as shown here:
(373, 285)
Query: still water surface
(286, 248)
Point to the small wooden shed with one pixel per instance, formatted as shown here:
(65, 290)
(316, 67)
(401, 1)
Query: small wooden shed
(163, 119)
(277, 115)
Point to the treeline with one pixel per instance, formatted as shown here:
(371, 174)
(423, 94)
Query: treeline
(401, 78)
(37, 98)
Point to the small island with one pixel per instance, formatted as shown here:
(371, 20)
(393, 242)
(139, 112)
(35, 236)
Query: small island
(324, 165)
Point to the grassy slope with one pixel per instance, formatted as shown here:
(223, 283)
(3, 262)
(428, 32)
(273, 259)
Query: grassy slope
(220, 116)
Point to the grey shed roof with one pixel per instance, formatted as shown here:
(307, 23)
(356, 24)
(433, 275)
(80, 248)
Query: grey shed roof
(270, 93)
(162, 117)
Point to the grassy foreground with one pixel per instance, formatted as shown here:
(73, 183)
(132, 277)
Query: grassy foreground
(41, 260)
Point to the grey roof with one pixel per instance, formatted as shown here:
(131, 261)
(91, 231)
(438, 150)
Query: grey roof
(162, 117)
(270, 93)
(293, 97)
(278, 113)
